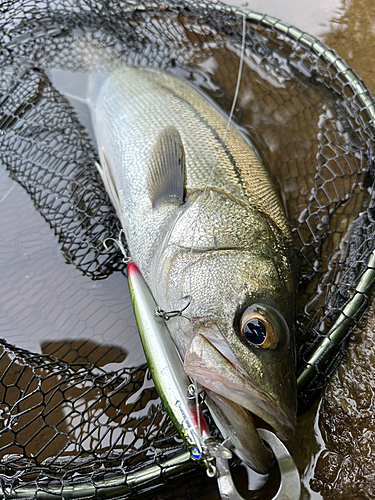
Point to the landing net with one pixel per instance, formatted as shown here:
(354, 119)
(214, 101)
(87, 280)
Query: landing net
(71, 428)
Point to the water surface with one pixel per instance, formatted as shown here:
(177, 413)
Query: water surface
(335, 443)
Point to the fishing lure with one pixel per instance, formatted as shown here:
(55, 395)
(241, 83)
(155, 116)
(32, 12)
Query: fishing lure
(174, 389)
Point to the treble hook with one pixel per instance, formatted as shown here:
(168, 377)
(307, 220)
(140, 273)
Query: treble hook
(167, 315)
(126, 259)
(290, 484)
(175, 390)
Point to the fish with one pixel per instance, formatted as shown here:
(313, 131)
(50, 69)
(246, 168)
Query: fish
(206, 227)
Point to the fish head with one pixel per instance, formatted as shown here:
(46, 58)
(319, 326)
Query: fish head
(239, 341)
(249, 363)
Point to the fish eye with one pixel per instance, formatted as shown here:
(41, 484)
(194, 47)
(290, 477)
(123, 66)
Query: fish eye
(256, 328)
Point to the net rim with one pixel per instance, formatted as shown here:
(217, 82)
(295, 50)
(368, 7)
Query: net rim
(310, 43)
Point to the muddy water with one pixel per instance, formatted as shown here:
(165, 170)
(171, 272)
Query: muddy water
(47, 306)
(335, 443)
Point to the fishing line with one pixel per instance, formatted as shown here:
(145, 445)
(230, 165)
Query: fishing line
(8, 193)
(234, 102)
(236, 92)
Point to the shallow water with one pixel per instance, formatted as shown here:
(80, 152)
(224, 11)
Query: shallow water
(48, 306)
(335, 443)
(41, 306)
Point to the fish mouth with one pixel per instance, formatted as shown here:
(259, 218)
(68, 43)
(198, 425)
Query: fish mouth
(238, 425)
(239, 403)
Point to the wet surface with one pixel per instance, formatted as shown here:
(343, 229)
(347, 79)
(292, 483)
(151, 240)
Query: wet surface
(47, 306)
(45, 303)
(335, 443)
(338, 433)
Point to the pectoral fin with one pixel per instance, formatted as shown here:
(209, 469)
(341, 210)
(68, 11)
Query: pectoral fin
(166, 177)
(109, 183)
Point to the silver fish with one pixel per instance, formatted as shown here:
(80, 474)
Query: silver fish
(204, 224)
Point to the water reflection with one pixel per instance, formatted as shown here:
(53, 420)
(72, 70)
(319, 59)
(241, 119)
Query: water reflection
(340, 449)
(304, 14)
(84, 351)
(45, 303)
(351, 32)
(337, 460)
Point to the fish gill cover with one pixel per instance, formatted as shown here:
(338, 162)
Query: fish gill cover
(311, 120)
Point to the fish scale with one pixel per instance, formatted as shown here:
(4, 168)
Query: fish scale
(238, 170)
(204, 224)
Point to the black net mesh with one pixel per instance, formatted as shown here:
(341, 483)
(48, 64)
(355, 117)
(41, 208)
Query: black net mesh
(311, 119)
(46, 149)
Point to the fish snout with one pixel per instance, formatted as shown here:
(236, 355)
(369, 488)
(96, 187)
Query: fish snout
(241, 403)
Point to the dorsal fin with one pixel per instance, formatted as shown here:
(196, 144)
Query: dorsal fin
(166, 177)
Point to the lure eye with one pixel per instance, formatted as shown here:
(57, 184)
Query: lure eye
(257, 329)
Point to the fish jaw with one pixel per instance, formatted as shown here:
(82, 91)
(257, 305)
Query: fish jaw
(237, 424)
(209, 362)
